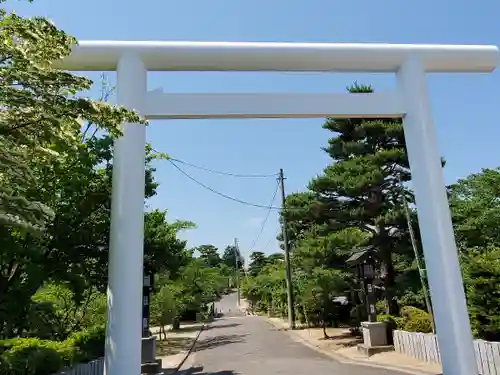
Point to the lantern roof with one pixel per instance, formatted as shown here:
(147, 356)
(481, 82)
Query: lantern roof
(361, 255)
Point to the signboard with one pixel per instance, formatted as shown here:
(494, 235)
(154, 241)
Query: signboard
(147, 286)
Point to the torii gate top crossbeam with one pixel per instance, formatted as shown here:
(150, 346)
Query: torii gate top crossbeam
(305, 57)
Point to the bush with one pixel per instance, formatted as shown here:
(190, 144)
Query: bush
(392, 323)
(418, 324)
(33, 356)
(380, 307)
(89, 344)
(416, 320)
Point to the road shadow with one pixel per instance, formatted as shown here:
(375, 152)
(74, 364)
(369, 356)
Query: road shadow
(230, 314)
(229, 325)
(172, 345)
(223, 372)
(345, 340)
(198, 370)
(214, 342)
(192, 328)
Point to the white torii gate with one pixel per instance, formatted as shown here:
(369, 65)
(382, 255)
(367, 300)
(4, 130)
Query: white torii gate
(132, 61)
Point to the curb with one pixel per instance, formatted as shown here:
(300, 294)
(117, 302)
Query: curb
(347, 360)
(188, 353)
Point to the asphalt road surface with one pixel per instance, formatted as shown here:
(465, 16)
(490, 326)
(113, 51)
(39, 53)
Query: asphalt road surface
(228, 305)
(249, 345)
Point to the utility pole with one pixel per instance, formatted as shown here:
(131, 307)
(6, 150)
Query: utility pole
(421, 270)
(236, 258)
(288, 274)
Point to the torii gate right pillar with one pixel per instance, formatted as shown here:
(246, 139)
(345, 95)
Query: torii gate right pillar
(436, 230)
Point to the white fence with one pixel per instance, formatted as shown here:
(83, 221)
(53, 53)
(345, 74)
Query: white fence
(90, 368)
(424, 347)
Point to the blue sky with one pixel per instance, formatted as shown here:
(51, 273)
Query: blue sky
(463, 105)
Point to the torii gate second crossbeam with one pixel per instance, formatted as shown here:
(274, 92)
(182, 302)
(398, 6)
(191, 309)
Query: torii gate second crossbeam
(410, 63)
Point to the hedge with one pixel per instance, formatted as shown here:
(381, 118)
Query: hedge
(416, 320)
(412, 319)
(33, 356)
(89, 344)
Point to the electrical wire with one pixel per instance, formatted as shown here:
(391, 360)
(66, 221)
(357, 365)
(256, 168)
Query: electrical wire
(222, 172)
(267, 244)
(263, 224)
(223, 195)
(218, 192)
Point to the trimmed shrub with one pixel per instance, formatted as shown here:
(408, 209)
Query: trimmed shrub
(416, 320)
(33, 356)
(89, 344)
(380, 307)
(392, 323)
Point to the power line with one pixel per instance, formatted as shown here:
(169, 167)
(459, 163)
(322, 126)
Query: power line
(223, 195)
(222, 172)
(218, 192)
(263, 224)
(268, 243)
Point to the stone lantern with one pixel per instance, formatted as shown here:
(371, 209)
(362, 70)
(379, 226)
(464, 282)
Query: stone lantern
(374, 333)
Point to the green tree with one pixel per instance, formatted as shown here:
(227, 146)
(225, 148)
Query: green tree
(163, 250)
(475, 207)
(54, 181)
(209, 254)
(166, 306)
(266, 292)
(193, 289)
(481, 272)
(301, 213)
(232, 257)
(257, 262)
(319, 292)
(65, 315)
(41, 115)
(320, 248)
(74, 247)
(275, 258)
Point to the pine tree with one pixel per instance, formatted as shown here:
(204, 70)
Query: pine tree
(362, 189)
(232, 257)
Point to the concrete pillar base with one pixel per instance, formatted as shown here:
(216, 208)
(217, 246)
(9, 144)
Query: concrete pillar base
(148, 349)
(374, 334)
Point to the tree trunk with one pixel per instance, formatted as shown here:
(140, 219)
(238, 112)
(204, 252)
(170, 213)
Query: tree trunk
(323, 325)
(176, 324)
(306, 317)
(388, 273)
(391, 306)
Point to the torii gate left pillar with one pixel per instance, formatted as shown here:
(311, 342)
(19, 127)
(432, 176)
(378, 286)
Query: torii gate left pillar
(124, 324)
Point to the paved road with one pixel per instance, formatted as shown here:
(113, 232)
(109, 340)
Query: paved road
(249, 345)
(228, 305)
